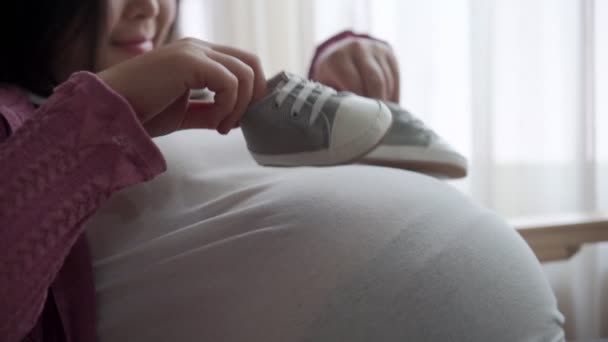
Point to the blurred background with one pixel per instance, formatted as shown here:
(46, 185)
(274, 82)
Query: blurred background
(518, 86)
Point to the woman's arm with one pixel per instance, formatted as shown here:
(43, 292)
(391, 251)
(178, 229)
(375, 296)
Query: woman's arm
(82, 145)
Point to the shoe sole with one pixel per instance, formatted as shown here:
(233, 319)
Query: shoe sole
(420, 159)
(339, 155)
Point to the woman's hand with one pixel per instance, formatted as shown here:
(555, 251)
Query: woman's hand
(363, 66)
(158, 84)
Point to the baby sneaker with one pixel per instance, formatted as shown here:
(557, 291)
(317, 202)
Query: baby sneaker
(413, 146)
(303, 123)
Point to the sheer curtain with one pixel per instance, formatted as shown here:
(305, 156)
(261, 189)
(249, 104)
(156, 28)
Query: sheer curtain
(516, 85)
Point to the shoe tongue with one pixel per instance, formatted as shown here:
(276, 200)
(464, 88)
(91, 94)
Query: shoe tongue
(279, 80)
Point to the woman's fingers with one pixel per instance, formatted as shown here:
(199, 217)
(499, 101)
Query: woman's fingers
(153, 82)
(394, 69)
(344, 73)
(250, 87)
(363, 66)
(388, 77)
(245, 77)
(258, 84)
(370, 72)
(209, 73)
(253, 61)
(170, 119)
(198, 115)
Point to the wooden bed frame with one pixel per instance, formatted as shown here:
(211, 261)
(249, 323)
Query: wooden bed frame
(559, 238)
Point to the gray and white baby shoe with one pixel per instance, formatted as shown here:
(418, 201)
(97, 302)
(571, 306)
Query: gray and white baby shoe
(411, 145)
(304, 123)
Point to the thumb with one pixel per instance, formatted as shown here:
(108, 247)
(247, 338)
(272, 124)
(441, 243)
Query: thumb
(200, 114)
(169, 119)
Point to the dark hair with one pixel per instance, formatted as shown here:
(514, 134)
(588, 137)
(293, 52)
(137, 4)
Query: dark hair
(33, 33)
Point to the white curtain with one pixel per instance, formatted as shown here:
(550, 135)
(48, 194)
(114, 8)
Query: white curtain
(516, 85)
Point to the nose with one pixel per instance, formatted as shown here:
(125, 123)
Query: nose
(142, 9)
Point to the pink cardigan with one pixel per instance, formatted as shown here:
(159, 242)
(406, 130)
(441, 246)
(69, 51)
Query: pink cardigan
(61, 162)
(58, 164)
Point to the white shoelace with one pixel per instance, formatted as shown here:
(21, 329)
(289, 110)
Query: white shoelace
(303, 94)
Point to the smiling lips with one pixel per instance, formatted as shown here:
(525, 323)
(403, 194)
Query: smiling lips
(135, 46)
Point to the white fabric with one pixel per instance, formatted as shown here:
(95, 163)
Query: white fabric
(517, 85)
(220, 249)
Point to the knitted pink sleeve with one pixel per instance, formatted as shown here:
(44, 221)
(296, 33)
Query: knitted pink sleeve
(3, 128)
(82, 145)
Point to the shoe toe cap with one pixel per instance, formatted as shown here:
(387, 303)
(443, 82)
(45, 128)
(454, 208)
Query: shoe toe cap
(358, 116)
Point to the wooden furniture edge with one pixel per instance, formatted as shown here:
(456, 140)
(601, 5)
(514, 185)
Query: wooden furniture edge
(560, 238)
